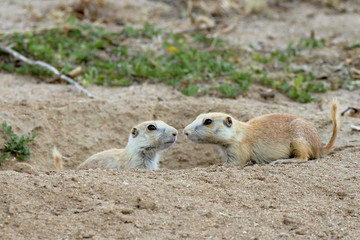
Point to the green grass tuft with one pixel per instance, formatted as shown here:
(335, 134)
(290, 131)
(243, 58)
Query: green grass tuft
(15, 145)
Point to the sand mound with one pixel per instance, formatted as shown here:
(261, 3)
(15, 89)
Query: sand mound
(191, 196)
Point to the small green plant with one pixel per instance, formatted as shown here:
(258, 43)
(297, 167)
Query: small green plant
(311, 43)
(90, 76)
(130, 32)
(15, 144)
(353, 45)
(149, 30)
(244, 79)
(189, 89)
(228, 90)
(298, 88)
(214, 42)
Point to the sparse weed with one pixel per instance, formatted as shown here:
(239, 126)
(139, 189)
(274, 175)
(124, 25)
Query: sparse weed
(311, 43)
(298, 88)
(353, 45)
(150, 31)
(228, 90)
(244, 79)
(130, 32)
(189, 89)
(15, 144)
(213, 42)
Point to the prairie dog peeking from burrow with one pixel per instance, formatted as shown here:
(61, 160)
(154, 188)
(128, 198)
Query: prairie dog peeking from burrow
(146, 142)
(271, 138)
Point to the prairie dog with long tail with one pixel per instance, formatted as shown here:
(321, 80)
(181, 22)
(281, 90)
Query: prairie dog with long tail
(271, 138)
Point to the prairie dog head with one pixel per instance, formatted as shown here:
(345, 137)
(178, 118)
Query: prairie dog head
(155, 135)
(215, 128)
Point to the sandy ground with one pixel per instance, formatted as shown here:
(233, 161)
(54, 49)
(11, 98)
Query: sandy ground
(191, 196)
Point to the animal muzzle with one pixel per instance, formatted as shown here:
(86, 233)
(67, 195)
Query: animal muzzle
(171, 140)
(191, 136)
(186, 132)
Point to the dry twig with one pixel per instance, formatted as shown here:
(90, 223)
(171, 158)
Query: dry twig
(353, 112)
(17, 55)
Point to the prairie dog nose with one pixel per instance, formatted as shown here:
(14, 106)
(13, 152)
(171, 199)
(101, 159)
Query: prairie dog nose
(174, 132)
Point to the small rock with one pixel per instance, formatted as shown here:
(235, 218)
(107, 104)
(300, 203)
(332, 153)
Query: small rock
(267, 94)
(283, 234)
(126, 219)
(208, 214)
(289, 220)
(341, 195)
(126, 211)
(86, 236)
(25, 168)
(108, 209)
(23, 102)
(300, 232)
(11, 210)
(145, 204)
(74, 179)
(261, 178)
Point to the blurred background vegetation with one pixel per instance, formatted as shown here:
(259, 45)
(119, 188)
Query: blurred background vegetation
(94, 45)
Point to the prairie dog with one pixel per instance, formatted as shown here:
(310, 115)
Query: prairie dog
(271, 138)
(146, 142)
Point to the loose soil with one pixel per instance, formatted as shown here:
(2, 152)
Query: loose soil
(192, 195)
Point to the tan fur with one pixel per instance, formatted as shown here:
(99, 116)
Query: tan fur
(108, 159)
(57, 159)
(335, 118)
(271, 138)
(142, 151)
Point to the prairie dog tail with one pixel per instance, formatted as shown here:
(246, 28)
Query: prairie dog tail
(336, 125)
(58, 161)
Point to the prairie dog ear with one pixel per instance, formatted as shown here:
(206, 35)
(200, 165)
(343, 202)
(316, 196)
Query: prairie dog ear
(134, 132)
(228, 121)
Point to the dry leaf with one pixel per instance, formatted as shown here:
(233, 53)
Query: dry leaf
(75, 72)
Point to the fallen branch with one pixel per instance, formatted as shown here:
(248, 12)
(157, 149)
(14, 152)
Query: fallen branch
(17, 55)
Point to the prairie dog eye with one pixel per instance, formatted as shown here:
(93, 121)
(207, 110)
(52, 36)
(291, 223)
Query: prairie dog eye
(207, 121)
(151, 127)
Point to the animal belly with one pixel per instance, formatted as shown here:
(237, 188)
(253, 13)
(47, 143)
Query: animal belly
(267, 152)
